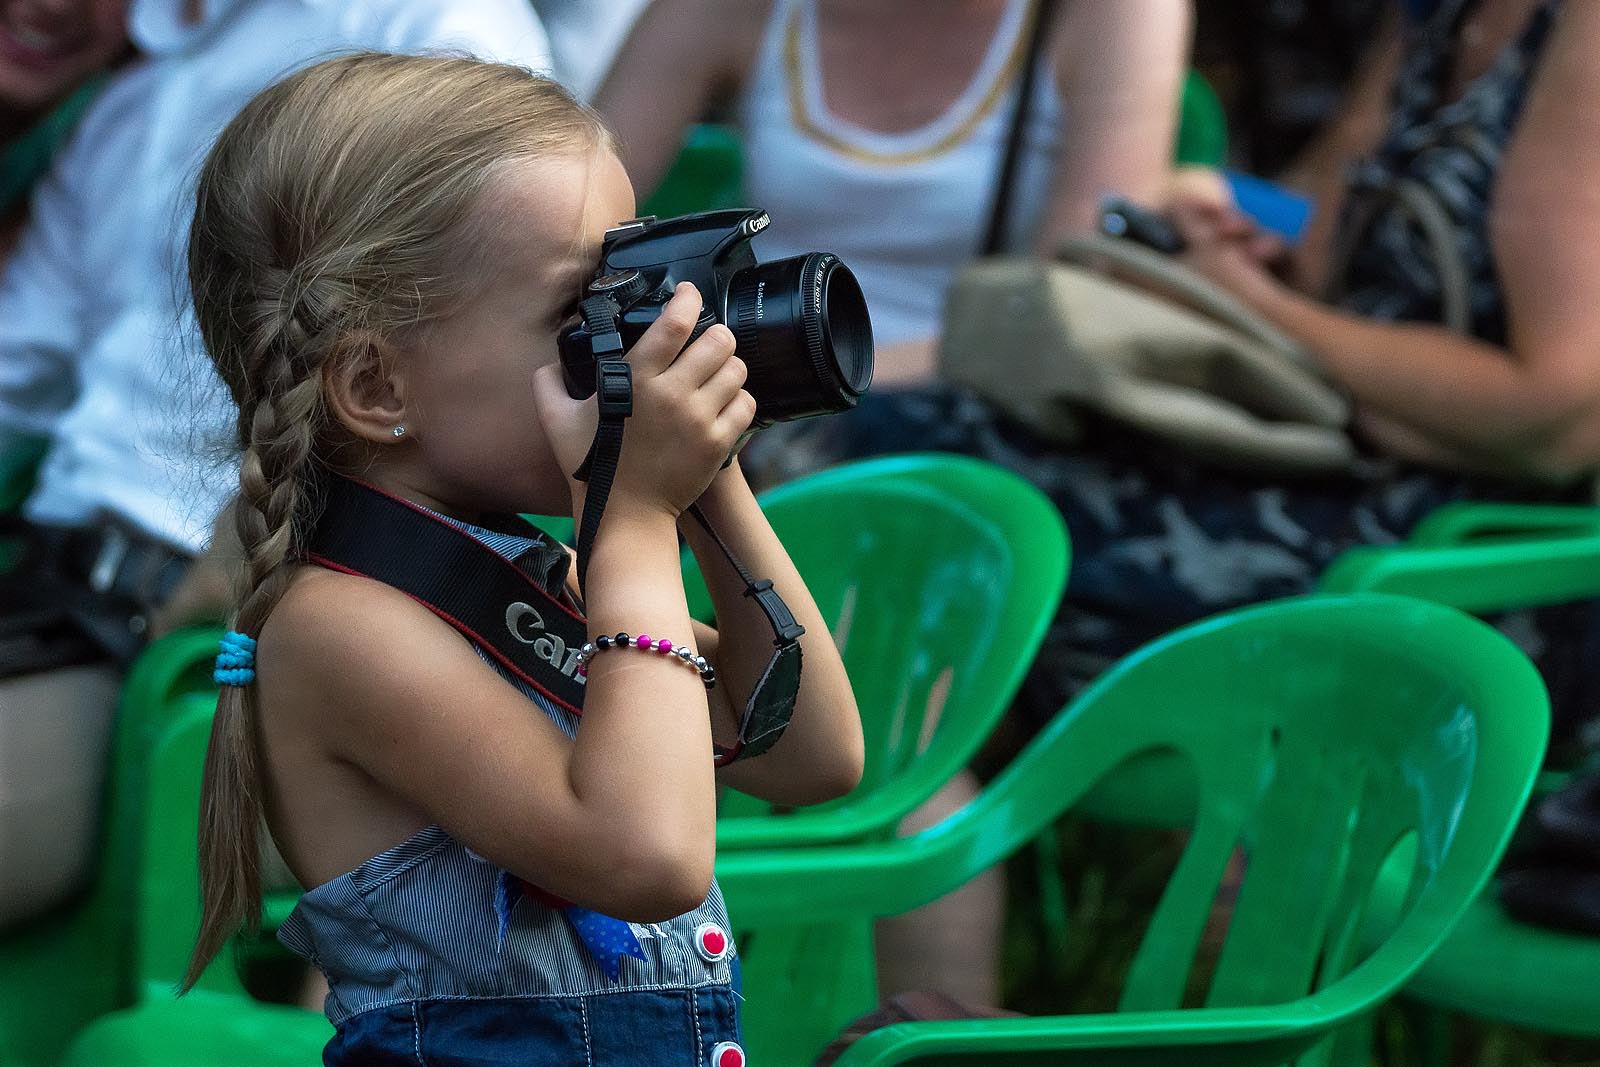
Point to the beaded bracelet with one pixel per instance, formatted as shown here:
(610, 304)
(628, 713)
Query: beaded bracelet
(590, 649)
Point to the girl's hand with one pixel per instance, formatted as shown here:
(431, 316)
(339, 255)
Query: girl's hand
(689, 408)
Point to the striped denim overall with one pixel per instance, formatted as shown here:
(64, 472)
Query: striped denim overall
(424, 968)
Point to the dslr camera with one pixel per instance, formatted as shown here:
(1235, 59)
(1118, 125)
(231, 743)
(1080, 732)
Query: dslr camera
(801, 323)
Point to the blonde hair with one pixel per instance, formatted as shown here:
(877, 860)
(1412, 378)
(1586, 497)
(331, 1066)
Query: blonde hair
(331, 209)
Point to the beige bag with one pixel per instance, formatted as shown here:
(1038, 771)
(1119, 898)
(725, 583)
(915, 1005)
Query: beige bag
(1049, 341)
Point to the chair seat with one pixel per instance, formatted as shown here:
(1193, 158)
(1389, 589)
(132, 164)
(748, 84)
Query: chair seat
(203, 1030)
(1493, 967)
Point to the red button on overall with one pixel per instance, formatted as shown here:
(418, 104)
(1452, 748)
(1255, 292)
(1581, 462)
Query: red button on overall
(727, 1054)
(711, 941)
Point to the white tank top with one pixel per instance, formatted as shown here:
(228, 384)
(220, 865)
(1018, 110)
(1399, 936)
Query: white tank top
(903, 210)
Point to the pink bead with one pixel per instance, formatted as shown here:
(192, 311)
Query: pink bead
(642, 641)
(663, 645)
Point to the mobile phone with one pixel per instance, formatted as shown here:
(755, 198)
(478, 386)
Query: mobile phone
(1121, 217)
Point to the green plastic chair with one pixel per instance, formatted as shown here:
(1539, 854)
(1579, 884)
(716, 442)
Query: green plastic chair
(1329, 738)
(1202, 138)
(218, 1022)
(67, 968)
(1491, 557)
(937, 574)
(945, 577)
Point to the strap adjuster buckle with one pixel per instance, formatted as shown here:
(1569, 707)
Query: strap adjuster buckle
(614, 388)
(786, 629)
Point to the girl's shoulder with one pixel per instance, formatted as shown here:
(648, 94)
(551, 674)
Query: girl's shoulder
(329, 627)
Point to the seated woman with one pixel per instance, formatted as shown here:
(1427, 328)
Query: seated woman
(48, 63)
(1482, 108)
(877, 131)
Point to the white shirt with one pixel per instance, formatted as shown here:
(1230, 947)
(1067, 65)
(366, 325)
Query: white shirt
(98, 345)
(904, 211)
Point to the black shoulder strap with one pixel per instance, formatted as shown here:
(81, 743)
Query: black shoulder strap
(994, 237)
(479, 592)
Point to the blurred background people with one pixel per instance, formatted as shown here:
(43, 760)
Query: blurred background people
(1479, 108)
(50, 57)
(100, 361)
(876, 130)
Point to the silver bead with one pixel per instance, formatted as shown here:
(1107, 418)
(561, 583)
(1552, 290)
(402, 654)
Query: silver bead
(684, 653)
(700, 664)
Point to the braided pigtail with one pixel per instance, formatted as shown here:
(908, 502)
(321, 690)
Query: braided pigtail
(271, 513)
(332, 211)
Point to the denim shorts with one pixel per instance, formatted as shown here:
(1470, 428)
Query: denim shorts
(663, 1028)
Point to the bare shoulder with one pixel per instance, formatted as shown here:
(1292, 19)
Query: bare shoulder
(328, 620)
(340, 641)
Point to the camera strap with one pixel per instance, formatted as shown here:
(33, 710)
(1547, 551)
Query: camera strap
(770, 707)
(512, 609)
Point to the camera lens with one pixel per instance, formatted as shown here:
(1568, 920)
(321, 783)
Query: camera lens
(804, 334)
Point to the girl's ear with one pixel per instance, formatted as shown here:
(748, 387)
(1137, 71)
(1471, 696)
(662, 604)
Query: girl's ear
(365, 389)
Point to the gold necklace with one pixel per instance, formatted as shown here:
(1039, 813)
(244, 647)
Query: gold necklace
(808, 125)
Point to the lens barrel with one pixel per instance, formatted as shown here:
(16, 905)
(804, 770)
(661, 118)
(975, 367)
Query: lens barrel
(804, 333)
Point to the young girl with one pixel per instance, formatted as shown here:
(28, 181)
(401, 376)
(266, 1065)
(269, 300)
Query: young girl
(383, 251)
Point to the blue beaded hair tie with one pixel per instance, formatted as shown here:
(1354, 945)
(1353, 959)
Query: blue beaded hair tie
(236, 663)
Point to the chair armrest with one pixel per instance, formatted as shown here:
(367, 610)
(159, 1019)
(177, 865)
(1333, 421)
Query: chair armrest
(1498, 575)
(1201, 1037)
(877, 812)
(1455, 524)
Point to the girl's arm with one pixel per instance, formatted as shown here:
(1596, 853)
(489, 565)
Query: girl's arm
(1119, 69)
(621, 819)
(1532, 406)
(820, 756)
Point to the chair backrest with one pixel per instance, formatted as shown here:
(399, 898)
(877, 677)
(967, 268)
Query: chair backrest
(937, 575)
(1322, 733)
(87, 959)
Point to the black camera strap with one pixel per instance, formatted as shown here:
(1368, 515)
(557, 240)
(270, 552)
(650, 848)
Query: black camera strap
(511, 608)
(766, 715)
(614, 395)
(491, 600)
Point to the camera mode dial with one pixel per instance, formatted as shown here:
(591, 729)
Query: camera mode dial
(624, 287)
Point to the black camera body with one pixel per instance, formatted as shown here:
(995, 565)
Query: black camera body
(801, 323)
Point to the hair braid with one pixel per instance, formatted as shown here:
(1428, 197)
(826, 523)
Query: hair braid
(270, 513)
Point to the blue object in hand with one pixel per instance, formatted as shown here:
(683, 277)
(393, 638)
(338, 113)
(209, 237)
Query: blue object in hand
(1271, 205)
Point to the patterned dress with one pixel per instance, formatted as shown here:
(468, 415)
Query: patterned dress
(1159, 540)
